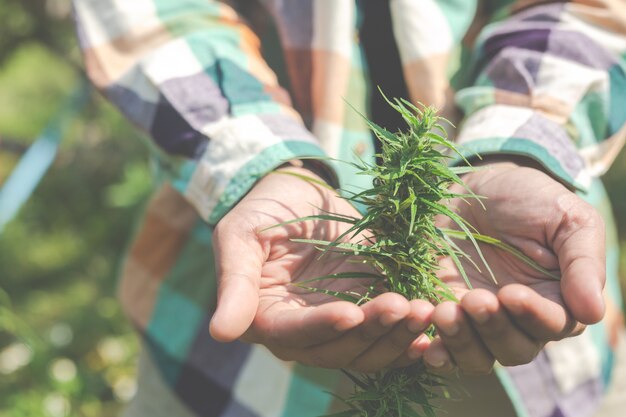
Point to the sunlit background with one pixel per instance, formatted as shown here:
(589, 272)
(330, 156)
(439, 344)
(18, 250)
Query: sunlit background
(65, 348)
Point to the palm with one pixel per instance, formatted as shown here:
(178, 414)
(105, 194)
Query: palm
(258, 262)
(512, 319)
(265, 218)
(512, 217)
(290, 263)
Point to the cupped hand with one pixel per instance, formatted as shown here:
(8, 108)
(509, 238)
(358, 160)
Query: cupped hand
(511, 320)
(257, 265)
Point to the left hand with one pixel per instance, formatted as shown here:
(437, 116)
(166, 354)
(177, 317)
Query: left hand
(258, 263)
(512, 320)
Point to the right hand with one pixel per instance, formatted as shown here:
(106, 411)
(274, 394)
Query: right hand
(258, 304)
(510, 321)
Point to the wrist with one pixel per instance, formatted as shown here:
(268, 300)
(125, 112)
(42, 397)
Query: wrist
(509, 160)
(502, 162)
(312, 168)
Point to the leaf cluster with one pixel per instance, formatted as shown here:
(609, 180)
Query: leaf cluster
(410, 186)
(411, 183)
(399, 239)
(404, 392)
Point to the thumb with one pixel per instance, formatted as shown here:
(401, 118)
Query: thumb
(238, 261)
(579, 245)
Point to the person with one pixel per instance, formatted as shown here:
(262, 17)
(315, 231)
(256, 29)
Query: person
(541, 90)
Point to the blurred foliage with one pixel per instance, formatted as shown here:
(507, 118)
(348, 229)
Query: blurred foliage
(45, 21)
(615, 181)
(65, 348)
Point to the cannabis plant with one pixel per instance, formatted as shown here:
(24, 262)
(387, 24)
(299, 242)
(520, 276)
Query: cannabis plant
(399, 239)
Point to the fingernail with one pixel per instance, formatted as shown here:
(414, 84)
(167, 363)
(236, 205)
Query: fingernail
(450, 330)
(481, 316)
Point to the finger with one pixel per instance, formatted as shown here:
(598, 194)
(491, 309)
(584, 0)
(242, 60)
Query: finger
(381, 315)
(388, 349)
(437, 359)
(413, 353)
(238, 262)
(458, 336)
(579, 240)
(303, 327)
(507, 343)
(539, 316)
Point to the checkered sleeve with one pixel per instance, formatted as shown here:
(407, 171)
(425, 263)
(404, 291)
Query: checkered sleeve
(190, 73)
(550, 84)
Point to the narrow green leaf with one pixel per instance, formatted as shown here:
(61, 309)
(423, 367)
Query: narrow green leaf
(462, 223)
(347, 413)
(353, 298)
(452, 253)
(505, 247)
(323, 217)
(344, 275)
(306, 178)
(354, 379)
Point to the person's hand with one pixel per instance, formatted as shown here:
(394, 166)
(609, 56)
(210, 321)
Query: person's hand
(257, 265)
(512, 320)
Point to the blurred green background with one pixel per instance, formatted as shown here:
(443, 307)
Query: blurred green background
(65, 348)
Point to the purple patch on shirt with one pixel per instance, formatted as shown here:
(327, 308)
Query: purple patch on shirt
(552, 137)
(204, 396)
(294, 20)
(208, 376)
(220, 362)
(543, 13)
(286, 128)
(524, 38)
(174, 134)
(536, 29)
(542, 397)
(515, 70)
(141, 112)
(236, 409)
(197, 98)
(578, 47)
(583, 401)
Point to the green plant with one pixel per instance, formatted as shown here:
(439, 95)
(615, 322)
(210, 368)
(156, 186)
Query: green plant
(403, 245)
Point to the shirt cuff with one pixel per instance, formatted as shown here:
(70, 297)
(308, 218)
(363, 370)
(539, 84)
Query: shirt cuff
(241, 150)
(520, 131)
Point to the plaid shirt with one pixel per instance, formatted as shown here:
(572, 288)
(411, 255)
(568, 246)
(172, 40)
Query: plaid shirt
(542, 79)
